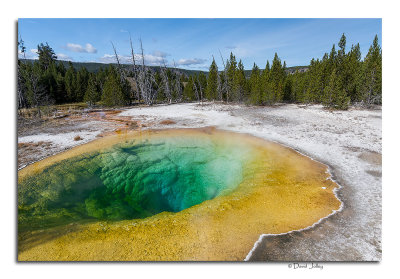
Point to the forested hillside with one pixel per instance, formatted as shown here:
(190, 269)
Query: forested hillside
(337, 80)
(94, 67)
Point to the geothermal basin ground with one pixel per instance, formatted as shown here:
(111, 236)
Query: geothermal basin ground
(349, 142)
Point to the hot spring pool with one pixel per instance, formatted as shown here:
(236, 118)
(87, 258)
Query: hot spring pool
(190, 194)
(137, 178)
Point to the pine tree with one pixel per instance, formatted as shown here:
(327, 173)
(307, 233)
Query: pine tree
(92, 93)
(240, 85)
(277, 76)
(371, 79)
(231, 74)
(188, 91)
(112, 91)
(335, 95)
(255, 86)
(82, 77)
(266, 86)
(61, 95)
(295, 87)
(342, 46)
(287, 89)
(46, 56)
(343, 65)
(202, 83)
(315, 86)
(212, 82)
(332, 60)
(70, 83)
(354, 73)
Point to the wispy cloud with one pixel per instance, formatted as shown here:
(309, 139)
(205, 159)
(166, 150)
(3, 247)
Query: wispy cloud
(155, 59)
(160, 53)
(88, 48)
(31, 54)
(190, 62)
(123, 31)
(62, 56)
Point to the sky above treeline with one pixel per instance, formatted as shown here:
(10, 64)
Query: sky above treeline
(192, 43)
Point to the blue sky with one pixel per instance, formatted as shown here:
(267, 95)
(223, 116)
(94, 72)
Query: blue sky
(192, 42)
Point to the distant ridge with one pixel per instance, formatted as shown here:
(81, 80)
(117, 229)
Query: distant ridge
(94, 67)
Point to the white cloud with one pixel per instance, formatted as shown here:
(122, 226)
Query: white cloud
(159, 53)
(189, 62)
(32, 54)
(90, 48)
(123, 31)
(110, 58)
(149, 59)
(157, 58)
(78, 48)
(62, 56)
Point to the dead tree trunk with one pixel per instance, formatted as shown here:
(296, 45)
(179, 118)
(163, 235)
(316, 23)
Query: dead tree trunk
(225, 86)
(21, 87)
(178, 87)
(121, 72)
(164, 76)
(38, 93)
(145, 81)
(135, 77)
(201, 90)
(197, 92)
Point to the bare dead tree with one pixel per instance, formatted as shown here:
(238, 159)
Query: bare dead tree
(121, 72)
(145, 82)
(142, 79)
(164, 75)
(371, 96)
(177, 83)
(134, 69)
(220, 89)
(201, 90)
(39, 96)
(116, 55)
(219, 85)
(196, 91)
(20, 83)
(224, 85)
(133, 57)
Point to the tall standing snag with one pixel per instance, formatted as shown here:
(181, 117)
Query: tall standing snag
(224, 85)
(145, 81)
(165, 80)
(177, 83)
(135, 76)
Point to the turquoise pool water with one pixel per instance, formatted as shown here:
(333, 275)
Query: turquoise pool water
(133, 179)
